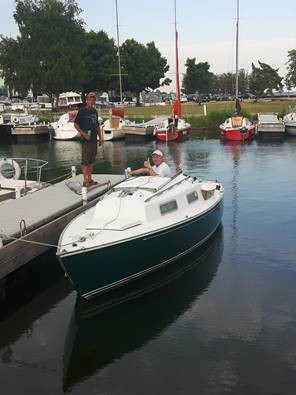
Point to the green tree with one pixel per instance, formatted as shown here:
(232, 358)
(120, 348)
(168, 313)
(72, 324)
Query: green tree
(143, 67)
(290, 79)
(16, 75)
(100, 56)
(225, 83)
(49, 48)
(197, 77)
(264, 79)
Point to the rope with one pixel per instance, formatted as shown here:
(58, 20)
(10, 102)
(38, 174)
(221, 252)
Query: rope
(67, 175)
(28, 241)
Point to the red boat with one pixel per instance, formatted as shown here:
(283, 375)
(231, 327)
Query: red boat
(175, 128)
(237, 128)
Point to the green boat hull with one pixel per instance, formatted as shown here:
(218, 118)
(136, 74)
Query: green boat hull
(99, 270)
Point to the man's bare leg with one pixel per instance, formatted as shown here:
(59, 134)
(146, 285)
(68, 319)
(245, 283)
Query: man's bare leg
(90, 170)
(85, 174)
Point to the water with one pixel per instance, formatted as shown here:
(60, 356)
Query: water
(222, 320)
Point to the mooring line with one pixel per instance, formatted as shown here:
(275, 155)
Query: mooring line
(28, 241)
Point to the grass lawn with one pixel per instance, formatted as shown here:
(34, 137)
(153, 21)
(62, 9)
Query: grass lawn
(217, 111)
(194, 109)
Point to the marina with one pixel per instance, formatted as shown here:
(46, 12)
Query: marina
(147, 198)
(234, 298)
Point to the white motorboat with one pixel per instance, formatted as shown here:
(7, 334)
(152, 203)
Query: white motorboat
(140, 226)
(10, 117)
(68, 100)
(290, 123)
(64, 128)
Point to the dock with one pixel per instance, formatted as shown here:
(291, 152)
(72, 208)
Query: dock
(138, 132)
(23, 133)
(269, 126)
(32, 224)
(144, 130)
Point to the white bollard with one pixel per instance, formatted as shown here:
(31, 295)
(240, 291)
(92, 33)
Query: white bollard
(17, 192)
(73, 171)
(84, 195)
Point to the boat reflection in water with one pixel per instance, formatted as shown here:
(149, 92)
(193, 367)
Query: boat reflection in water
(105, 329)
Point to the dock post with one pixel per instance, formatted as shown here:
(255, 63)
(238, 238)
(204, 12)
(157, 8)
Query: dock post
(73, 171)
(84, 195)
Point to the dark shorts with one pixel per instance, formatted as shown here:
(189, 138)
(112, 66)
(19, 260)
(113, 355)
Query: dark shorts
(89, 152)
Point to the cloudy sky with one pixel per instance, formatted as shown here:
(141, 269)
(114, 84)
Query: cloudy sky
(206, 28)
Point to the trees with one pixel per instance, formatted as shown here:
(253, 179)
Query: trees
(143, 67)
(197, 77)
(47, 56)
(290, 79)
(100, 58)
(264, 79)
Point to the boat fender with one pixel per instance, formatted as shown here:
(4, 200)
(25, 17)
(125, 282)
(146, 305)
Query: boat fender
(9, 169)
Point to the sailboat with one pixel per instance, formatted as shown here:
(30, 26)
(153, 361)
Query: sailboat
(112, 126)
(237, 127)
(174, 128)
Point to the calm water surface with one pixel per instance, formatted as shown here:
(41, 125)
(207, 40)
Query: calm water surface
(220, 321)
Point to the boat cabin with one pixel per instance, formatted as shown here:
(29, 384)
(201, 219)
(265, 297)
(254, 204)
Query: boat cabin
(147, 200)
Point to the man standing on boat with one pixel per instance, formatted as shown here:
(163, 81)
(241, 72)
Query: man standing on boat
(159, 168)
(87, 124)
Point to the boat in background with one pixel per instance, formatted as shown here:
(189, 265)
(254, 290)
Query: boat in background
(112, 127)
(69, 100)
(118, 240)
(290, 122)
(64, 128)
(237, 127)
(174, 128)
(14, 181)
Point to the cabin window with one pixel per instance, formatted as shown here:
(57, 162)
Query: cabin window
(192, 197)
(168, 207)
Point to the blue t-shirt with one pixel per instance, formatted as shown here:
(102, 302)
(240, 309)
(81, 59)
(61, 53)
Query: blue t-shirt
(87, 119)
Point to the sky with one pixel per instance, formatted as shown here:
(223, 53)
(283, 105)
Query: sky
(267, 29)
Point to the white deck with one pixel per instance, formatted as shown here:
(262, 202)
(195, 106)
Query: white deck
(40, 207)
(269, 123)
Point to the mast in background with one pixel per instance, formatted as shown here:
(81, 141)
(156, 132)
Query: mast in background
(177, 103)
(118, 53)
(236, 51)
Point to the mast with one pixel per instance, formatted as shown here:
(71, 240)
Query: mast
(236, 51)
(178, 92)
(118, 52)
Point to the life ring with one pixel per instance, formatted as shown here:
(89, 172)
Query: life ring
(15, 119)
(9, 169)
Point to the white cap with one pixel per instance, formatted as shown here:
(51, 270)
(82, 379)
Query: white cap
(157, 152)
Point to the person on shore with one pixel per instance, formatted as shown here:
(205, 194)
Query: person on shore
(159, 168)
(87, 124)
